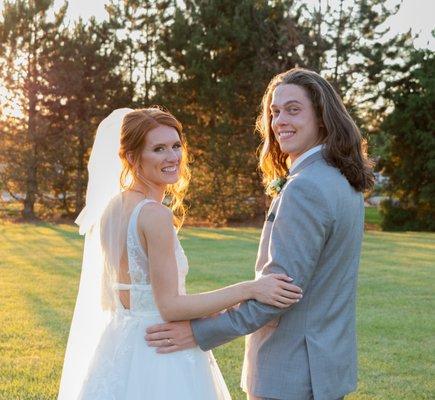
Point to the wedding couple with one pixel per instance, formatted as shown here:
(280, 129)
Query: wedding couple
(299, 313)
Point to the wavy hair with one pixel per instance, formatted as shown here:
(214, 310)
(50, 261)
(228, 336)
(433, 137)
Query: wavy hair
(135, 127)
(344, 148)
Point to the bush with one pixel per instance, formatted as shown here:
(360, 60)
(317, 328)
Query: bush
(396, 217)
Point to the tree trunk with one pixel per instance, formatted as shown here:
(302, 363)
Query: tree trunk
(32, 136)
(338, 44)
(80, 182)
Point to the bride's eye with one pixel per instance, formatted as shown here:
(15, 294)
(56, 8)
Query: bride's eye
(177, 146)
(159, 149)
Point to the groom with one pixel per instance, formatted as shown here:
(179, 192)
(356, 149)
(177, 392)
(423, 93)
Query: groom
(313, 233)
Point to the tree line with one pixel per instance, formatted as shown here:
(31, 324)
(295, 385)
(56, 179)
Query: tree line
(209, 63)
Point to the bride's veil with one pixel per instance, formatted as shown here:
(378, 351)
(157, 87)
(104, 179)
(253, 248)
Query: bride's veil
(101, 223)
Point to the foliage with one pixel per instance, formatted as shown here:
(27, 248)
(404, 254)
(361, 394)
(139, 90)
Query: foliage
(85, 85)
(25, 32)
(219, 55)
(64, 81)
(208, 62)
(138, 29)
(409, 148)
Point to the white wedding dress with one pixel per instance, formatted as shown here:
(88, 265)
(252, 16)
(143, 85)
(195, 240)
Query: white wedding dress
(124, 367)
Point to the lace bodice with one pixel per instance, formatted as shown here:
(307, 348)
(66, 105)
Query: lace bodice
(141, 295)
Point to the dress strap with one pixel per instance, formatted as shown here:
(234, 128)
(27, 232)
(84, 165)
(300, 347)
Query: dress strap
(132, 225)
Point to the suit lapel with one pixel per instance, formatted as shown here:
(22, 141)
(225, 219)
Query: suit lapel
(305, 163)
(267, 227)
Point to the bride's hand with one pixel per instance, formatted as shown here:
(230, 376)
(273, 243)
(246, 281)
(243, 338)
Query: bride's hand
(276, 290)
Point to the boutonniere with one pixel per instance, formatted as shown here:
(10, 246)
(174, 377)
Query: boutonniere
(276, 186)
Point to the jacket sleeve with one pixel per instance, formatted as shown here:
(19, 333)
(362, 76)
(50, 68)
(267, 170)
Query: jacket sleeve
(298, 235)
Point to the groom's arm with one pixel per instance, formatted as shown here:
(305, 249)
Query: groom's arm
(298, 235)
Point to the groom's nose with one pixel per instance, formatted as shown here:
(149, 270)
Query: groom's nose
(281, 120)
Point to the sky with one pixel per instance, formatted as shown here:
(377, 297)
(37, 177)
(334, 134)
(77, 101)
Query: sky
(415, 14)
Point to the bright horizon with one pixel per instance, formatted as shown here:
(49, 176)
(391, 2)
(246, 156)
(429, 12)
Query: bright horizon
(416, 15)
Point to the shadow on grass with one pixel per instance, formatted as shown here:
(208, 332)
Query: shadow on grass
(47, 317)
(27, 258)
(72, 237)
(251, 236)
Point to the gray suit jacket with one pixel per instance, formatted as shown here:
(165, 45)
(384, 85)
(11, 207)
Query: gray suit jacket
(313, 234)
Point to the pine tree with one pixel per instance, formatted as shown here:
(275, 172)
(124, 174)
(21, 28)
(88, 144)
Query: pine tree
(137, 26)
(25, 27)
(219, 56)
(409, 150)
(85, 85)
(359, 58)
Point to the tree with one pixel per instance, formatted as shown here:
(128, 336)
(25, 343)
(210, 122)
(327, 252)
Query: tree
(208, 61)
(137, 26)
(219, 57)
(84, 86)
(25, 27)
(64, 81)
(408, 156)
(357, 55)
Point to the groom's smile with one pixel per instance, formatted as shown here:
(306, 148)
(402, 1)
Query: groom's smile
(283, 135)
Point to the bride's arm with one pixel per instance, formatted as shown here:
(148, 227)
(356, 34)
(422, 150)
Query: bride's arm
(156, 226)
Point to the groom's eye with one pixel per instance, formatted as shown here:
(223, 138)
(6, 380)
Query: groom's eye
(292, 110)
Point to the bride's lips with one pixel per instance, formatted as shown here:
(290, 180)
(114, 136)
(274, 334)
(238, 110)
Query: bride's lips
(170, 170)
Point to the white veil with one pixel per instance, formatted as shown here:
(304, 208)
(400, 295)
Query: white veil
(95, 297)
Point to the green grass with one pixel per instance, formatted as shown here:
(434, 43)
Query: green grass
(39, 267)
(373, 217)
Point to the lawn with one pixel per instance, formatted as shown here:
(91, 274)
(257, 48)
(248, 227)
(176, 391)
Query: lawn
(373, 217)
(39, 267)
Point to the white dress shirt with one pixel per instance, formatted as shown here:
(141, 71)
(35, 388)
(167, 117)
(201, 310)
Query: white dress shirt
(305, 155)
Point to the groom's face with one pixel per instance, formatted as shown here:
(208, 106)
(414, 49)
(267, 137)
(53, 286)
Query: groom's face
(294, 121)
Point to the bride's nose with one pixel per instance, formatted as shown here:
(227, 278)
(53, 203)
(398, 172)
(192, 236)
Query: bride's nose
(173, 155)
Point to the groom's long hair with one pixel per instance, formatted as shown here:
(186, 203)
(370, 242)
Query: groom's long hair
(344, 148)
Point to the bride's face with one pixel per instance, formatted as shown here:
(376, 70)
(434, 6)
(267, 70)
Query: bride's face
(161, 156)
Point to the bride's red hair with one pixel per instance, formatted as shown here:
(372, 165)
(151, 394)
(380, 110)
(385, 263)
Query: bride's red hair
(135, 127)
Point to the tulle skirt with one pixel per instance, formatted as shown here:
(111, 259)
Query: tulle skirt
(125, 368)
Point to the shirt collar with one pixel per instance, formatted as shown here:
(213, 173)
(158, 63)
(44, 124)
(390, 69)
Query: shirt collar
(305, 155)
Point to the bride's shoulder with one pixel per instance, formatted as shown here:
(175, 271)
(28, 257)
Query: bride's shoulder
(154, 215)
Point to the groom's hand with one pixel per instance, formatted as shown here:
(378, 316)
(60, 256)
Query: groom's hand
(170, 337)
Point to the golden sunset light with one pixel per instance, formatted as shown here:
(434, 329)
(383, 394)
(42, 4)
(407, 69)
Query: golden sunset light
(220, 199)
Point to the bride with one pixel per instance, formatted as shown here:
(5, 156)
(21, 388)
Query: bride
(134, 269)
